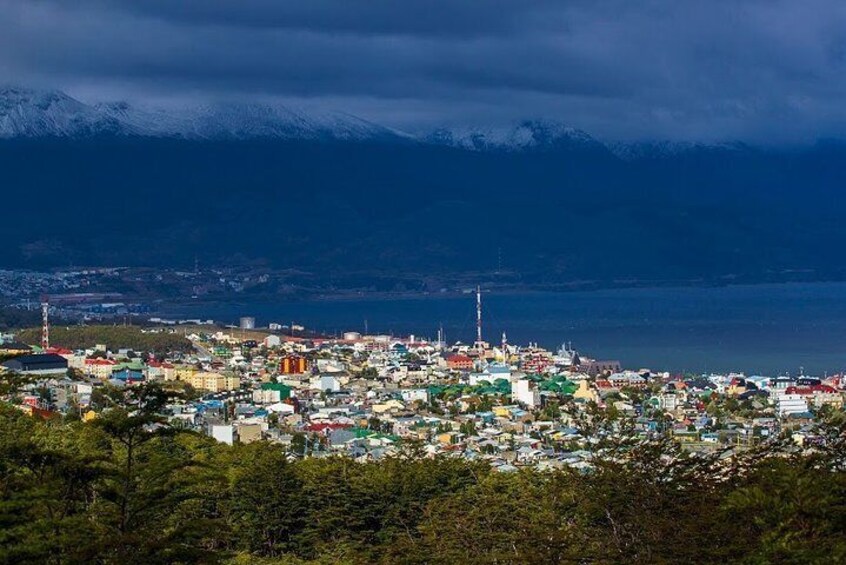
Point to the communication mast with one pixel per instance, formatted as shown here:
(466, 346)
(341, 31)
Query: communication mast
(478, 314)
(479, 342)
(45, 322)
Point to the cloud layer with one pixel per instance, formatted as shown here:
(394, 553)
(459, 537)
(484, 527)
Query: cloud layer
(757, 70)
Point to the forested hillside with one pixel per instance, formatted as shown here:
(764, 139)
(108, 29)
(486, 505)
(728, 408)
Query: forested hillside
(559, 215)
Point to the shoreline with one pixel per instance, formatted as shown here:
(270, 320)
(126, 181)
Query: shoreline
(377, 296)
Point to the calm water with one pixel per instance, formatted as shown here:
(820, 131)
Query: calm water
(759, 329)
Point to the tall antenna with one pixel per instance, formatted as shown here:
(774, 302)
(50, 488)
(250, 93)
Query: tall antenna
(504, 346)
(479, 315)
(45, 322)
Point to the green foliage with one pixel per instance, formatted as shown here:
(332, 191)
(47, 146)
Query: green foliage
(127, 488)
(113, 337)
(11, 384)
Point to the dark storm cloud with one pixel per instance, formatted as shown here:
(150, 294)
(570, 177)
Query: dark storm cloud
(413, 17)
(771, 70)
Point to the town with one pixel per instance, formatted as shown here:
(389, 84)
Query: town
(365, 396)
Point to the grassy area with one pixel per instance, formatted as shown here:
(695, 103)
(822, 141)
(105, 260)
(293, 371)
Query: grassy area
(113, 337)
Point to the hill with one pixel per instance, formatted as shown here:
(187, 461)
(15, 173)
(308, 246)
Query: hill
(544, 201)
(113, 337)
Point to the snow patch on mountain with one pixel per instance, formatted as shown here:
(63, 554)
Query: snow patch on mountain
(50, 113)
(31, 113)
(526, 135)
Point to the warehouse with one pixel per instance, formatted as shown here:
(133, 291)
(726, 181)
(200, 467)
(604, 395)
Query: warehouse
(44, 364)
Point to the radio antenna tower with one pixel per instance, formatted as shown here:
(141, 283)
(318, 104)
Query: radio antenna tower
(45, 322)
(479, 315)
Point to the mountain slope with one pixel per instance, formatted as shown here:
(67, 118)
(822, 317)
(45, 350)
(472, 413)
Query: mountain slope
(535, 135)
(338, 207)
(30, 113)
(121, 185)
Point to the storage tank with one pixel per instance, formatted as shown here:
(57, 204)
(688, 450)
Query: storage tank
(248, 323)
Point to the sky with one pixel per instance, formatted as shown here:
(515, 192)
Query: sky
(713, 70)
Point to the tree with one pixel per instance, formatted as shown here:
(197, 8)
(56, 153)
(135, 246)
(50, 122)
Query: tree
(468, 428)
(47, 477)
(11, 383)
(148, 475)
(265, 508)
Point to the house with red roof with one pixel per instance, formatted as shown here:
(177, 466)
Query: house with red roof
(99, 368)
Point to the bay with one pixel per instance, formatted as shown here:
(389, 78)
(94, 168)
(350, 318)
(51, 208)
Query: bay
(759, 329)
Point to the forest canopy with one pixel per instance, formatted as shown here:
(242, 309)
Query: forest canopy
(127, 488)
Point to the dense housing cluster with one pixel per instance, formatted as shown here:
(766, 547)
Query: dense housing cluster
(365, 395)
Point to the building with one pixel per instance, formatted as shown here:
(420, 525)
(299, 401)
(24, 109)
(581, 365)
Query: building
(596, 368)
(13, 349)
(459, 362)
(43, 364)
(128, 375)
(271, 393)
(787, 404)
(248, 433)
(536, 362)
(627, 379)
(99, 368)
(585, 392)
(272, 341)
(326, 383)
(213, 382)
(293, 365)
(526, 392)
(223, 433)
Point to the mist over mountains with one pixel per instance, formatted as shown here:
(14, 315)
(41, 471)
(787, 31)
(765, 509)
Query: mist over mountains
(112, 184)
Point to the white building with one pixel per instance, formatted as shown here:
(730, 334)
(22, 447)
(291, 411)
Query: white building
(525, 392)
(787, 404)
(223, 433)
(272, 341)
(414, 394)
(326, 383)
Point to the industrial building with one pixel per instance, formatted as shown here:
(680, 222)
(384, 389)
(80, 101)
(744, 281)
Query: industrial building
(41, 364)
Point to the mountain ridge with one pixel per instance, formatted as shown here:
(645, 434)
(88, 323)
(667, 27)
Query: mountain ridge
(52, 113)
(313, 192)
(31, 113)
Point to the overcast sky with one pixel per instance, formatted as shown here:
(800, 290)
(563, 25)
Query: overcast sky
(762, 70)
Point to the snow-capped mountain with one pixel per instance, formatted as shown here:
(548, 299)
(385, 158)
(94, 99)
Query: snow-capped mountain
(51, 113)
(244, 121)
(31, 113)
(526, 135)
